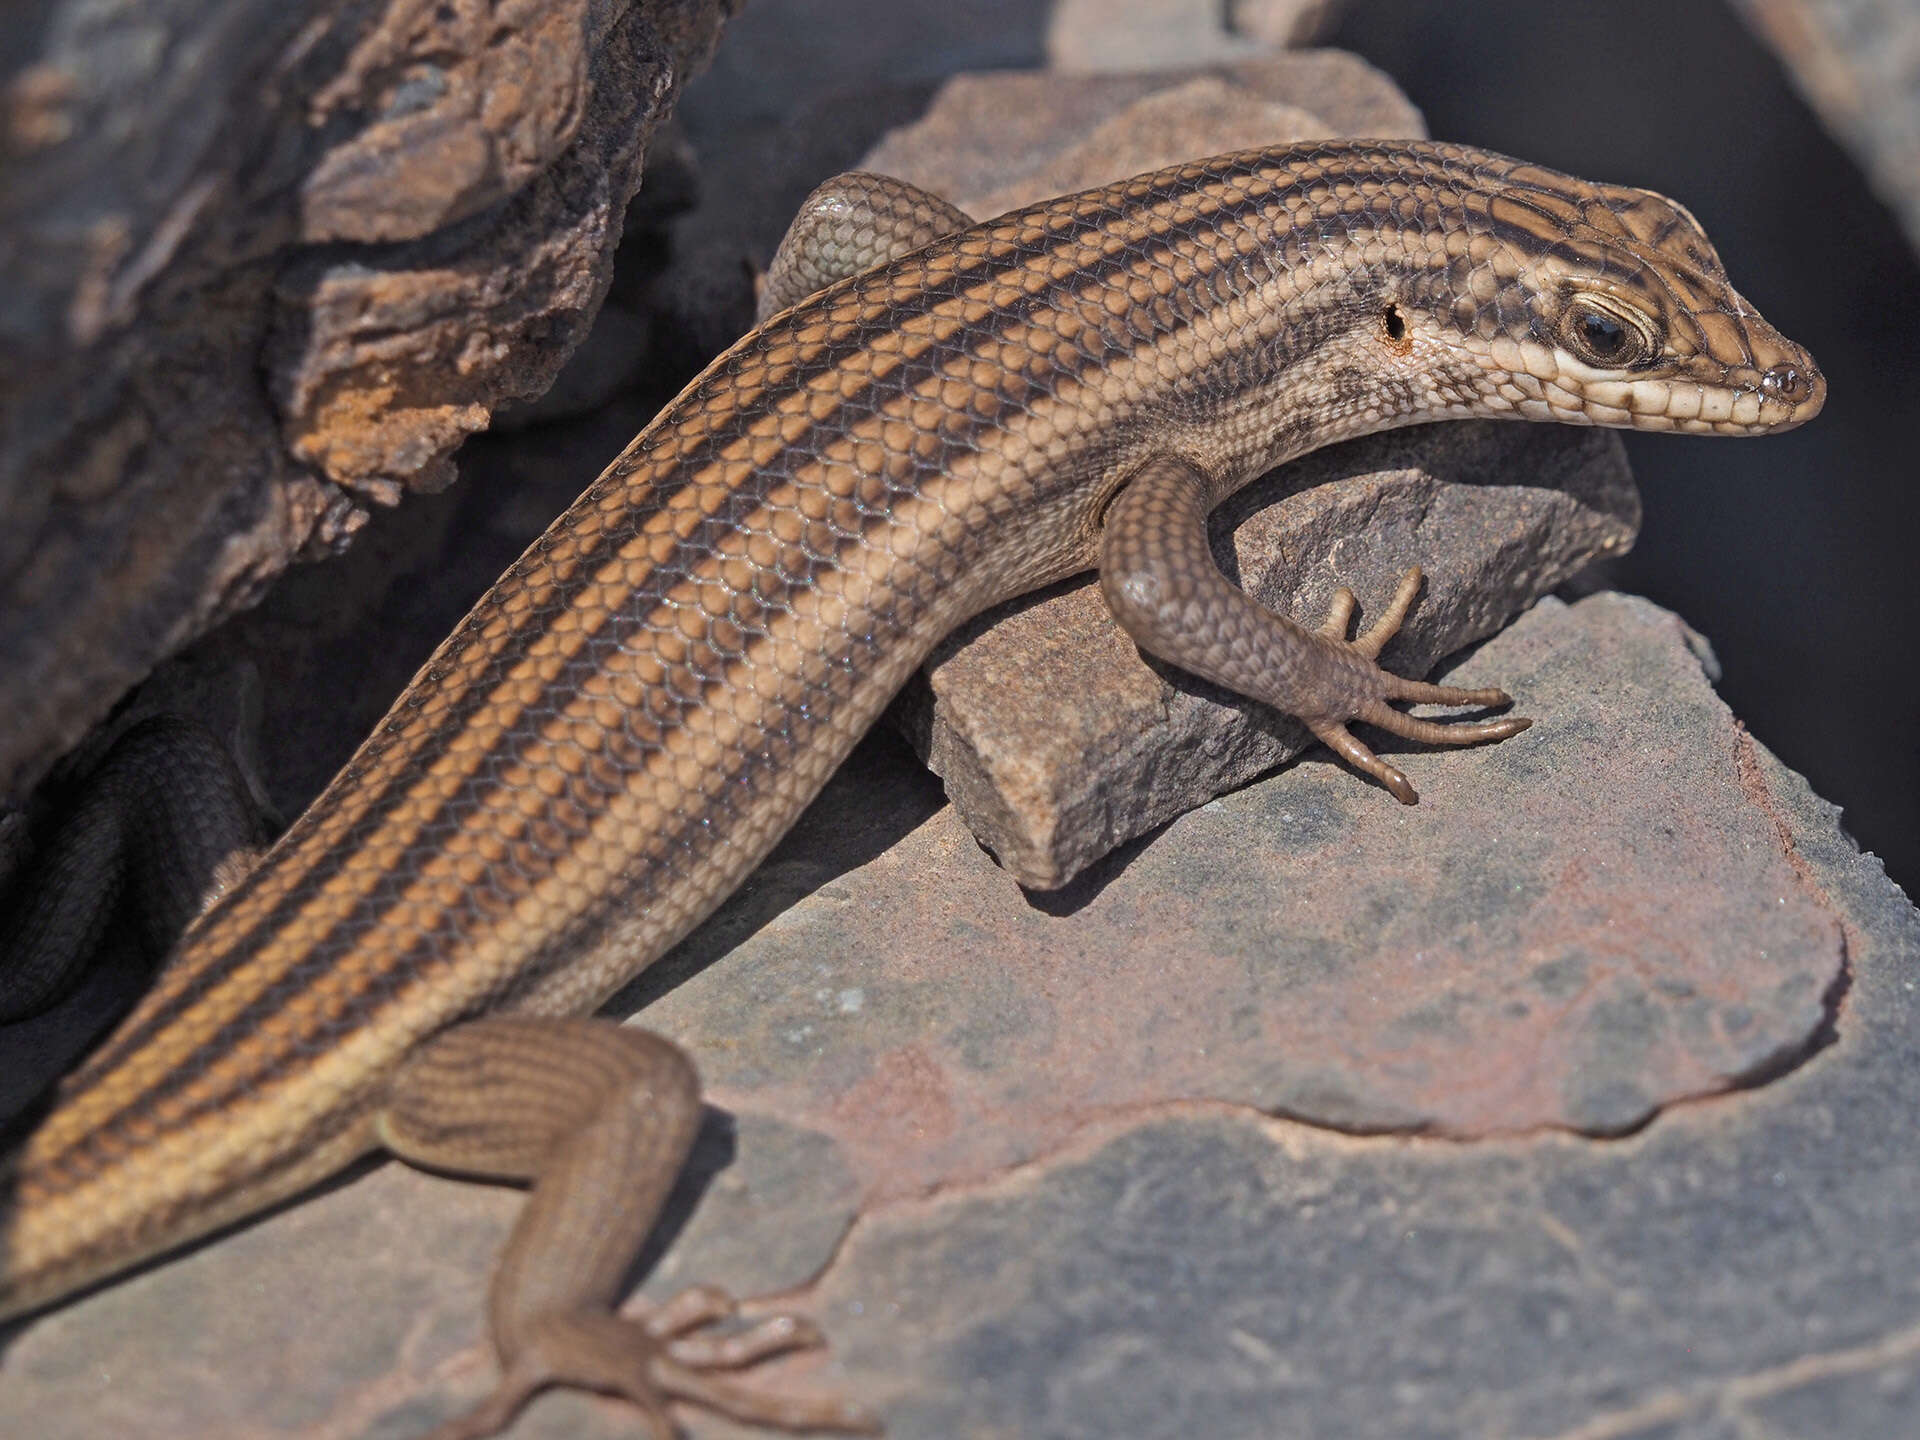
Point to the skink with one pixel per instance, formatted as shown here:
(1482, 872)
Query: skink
(936, 415)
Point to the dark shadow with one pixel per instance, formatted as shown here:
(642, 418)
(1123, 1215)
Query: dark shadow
(875, 799)
(715, 1149)
(37, 1051)
(1085, 888)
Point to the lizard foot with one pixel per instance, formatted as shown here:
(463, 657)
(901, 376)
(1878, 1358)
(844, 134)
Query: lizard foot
(1160, 580)
(1376, 710)
(666, 1353)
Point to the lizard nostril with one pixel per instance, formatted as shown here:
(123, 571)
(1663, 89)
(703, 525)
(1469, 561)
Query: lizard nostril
(1788, 383)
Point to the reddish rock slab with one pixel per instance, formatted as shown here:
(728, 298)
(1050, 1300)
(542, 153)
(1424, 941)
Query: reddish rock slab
(1580, 926)
(1606, 915)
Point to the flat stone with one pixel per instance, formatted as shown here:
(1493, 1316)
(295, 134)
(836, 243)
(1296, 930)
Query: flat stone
(1172, 1253)
(1029, 1146)
(1738, 1269)
(1580, 927)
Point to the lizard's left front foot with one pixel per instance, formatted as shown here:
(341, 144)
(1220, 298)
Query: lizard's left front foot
(1375, 710)
(659, 1355)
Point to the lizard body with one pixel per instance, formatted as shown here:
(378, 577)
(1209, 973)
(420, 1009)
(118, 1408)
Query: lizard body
(645, 701)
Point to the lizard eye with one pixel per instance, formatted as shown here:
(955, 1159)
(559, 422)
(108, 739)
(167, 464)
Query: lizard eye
(1608, 334)
(1603, 335)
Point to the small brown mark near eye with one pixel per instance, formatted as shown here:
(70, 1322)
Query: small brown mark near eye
(1393, 327)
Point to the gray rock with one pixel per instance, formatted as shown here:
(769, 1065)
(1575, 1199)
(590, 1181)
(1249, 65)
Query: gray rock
(268, 264)
(1579, 928)
(1029, 1155)
(1058, 740)
(1157, 35)
(1087, 36)
(991, 142)
(1740, 1268)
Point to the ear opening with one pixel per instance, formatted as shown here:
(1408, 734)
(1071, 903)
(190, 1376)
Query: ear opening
(1393, 329)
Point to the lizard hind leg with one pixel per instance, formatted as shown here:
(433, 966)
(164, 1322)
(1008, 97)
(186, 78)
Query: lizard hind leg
(600, 1117)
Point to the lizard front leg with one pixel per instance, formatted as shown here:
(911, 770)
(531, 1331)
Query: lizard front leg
(850, 223)
(1159, 578)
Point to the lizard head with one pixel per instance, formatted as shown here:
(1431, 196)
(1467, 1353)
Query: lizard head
(1608, 305)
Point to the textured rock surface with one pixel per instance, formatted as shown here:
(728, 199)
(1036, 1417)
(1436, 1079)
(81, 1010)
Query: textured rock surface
(265, 264)
(1095, 1227)
(992, 142)
(1161, 34)
(1580, 927)
(1025, 1148)
(1858, 64)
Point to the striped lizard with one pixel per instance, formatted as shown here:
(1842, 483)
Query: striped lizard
(934, 415)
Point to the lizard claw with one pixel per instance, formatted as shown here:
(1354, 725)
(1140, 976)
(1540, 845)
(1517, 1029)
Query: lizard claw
(1376, 711)
(658, 1355)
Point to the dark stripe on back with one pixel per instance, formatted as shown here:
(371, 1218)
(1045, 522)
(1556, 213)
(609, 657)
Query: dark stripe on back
(1090, 216)
(477, 696)
(693, 834)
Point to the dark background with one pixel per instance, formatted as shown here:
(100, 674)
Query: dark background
(1793, 554)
